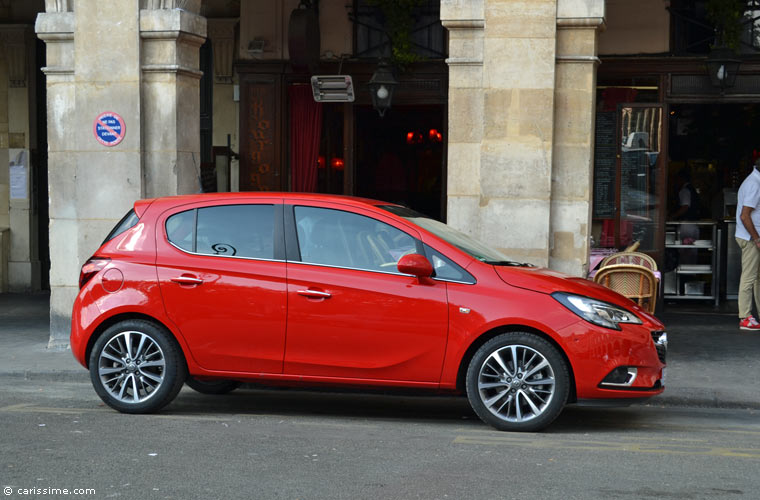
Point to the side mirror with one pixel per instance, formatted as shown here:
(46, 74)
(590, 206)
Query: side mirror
(416, 265)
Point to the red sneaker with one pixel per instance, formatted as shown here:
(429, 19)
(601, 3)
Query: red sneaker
(749, 323)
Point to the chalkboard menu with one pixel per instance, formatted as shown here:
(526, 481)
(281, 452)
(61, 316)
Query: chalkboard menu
(604, 166)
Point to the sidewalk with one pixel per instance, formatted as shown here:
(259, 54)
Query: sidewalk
(711, 363)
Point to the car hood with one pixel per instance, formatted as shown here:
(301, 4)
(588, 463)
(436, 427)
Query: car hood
(540, 279)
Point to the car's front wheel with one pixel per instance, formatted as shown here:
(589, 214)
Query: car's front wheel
(517, 381)
(137, 367)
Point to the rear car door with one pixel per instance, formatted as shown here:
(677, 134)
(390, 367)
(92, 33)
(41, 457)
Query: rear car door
(351, 314)
(221, 272)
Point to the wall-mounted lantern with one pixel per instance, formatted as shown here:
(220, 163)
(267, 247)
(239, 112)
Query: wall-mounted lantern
(381, 85)
(723, 67)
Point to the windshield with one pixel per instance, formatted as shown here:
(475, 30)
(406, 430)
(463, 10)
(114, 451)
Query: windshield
(447, 233)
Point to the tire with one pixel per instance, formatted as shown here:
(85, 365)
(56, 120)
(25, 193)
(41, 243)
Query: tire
(212, 386)
(506, 398)
(136, 366)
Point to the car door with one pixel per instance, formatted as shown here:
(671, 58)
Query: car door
(221, 272)
(351, 314)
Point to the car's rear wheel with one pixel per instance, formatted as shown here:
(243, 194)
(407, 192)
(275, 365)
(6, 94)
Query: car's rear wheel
(212, 386)
(137, 367)
(517, 381)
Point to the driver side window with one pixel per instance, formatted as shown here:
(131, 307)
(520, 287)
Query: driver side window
(342, 239)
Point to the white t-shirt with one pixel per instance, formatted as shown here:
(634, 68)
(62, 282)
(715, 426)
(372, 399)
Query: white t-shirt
(749, 196)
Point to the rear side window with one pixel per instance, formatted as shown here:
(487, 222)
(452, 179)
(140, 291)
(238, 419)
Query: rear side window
(226, 230)
(127, 222)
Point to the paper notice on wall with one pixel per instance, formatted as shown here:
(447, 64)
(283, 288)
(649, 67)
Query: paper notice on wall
(18, 175)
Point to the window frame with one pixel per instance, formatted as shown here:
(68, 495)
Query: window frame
(277, 233)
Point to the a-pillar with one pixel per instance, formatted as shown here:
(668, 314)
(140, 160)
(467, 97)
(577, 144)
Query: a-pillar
(578, 24)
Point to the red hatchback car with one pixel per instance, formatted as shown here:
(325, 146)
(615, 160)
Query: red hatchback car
(318, 290)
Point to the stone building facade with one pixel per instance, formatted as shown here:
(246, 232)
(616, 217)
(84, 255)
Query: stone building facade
(520, 97)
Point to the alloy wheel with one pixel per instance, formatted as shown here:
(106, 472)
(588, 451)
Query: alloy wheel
(516, 383)
(131, 367)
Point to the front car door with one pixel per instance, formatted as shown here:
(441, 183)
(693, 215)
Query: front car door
(351, 314)
(221, 271)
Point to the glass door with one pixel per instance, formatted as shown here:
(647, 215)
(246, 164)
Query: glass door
(634, 181)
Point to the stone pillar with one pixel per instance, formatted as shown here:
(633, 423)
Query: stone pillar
(465, 22)
(578, 23)
(171, 102)
(137, 58)
(56, 29)
(511, 120)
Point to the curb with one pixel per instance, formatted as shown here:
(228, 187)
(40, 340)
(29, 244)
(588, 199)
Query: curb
(699, 398)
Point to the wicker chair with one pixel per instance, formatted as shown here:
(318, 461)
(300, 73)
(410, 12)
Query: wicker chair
(634, 258)
(638, 283)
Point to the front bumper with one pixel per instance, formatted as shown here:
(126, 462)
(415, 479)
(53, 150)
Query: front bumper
(610, 364)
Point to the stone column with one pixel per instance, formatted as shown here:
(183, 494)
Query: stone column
(170, 96)
(465, 21)
(578, 23)
(512, 121)
(137, 58)
(56, 29)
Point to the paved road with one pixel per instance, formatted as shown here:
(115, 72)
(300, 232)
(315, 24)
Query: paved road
(300, 445)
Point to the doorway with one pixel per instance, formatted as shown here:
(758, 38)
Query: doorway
(400, 158)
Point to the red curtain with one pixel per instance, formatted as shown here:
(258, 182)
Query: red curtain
(305, 133)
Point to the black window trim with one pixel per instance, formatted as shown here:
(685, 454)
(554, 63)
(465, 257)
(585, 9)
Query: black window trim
(115, 231)
(429, 257)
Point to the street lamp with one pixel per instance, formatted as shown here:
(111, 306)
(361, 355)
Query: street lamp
(381, 85)
(722, 66)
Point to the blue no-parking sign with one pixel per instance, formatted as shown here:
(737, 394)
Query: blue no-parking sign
(109, 128)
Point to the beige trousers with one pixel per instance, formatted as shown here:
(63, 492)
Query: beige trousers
(749, 283)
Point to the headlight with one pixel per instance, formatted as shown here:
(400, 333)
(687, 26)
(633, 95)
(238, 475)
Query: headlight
(595, 311)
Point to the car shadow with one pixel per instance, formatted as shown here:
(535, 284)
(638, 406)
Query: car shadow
(412, 407)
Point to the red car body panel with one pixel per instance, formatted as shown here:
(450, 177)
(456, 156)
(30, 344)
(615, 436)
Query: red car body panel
(254, 319)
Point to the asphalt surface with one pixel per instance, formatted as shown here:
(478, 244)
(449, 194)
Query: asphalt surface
(254, 444)
(699, 440)
(711, 363)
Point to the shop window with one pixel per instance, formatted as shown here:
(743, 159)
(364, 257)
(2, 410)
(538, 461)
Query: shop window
(628, 177)
(428, 38)
(694, 33)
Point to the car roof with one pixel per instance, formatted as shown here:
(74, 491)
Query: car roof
(172, 201)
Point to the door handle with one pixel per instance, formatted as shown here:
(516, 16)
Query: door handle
(187, 280)
(314, 294)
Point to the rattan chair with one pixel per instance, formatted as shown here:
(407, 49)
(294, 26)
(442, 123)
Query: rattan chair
(634, 258)
(638, 283)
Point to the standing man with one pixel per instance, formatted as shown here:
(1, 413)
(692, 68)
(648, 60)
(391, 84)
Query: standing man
(748, 238)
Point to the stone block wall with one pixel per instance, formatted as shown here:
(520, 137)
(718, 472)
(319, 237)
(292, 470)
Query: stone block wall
(521, 101)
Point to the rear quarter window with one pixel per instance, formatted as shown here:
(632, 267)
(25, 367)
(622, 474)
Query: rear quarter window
(127, 222)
